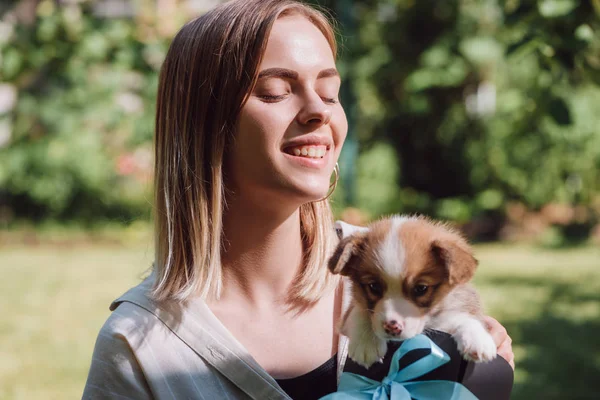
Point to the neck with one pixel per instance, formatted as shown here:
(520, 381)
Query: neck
(263, 252)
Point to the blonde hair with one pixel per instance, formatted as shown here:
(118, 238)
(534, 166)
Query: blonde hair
(209, 70)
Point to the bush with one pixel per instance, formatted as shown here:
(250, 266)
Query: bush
(483, 102)
(461, 107)
(78, 133)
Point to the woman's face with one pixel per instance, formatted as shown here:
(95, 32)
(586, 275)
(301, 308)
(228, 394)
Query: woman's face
(291, 129)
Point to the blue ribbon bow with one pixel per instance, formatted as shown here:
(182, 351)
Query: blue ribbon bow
(397, 386)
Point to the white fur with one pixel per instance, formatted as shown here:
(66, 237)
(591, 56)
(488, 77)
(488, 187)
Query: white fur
(391, 253)
(365, 347)
(399, 309)
(365, 331)
(474, 341)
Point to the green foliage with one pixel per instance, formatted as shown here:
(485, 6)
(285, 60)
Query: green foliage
(82, 124)
(460, 106)
(377, 176)
(484, 101)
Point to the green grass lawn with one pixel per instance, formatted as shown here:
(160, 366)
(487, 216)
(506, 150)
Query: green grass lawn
(54, 300)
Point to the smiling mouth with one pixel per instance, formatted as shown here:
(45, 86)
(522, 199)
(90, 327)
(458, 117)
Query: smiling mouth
(308, 151)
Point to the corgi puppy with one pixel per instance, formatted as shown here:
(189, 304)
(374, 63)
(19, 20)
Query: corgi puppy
(410, 274)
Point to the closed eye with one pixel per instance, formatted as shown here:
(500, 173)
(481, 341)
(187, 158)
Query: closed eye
(269, 98)
(275, 98)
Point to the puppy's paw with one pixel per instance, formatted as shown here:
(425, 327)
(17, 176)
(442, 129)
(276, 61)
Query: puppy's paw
(476, 346)
(367, 352)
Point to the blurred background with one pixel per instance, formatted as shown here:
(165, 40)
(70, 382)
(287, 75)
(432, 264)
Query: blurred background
(482, 112)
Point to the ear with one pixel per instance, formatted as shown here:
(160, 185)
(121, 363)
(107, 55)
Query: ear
(348, 248)
(457, 258)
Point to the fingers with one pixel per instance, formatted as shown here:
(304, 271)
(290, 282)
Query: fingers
(497, 331)
(505, 351)
(502, 340)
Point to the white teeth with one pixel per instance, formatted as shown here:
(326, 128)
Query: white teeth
(309, 151)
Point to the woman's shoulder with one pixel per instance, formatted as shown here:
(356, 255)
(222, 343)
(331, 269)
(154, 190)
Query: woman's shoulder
(131, 318)
(137, 317)
(114, 369)
(128, 321)
(136, 350)
(134, 327)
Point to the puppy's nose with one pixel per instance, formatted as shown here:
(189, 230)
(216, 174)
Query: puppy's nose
(393, 328)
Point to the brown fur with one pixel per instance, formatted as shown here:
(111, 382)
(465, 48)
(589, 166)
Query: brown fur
(445, 263)
(431, 270)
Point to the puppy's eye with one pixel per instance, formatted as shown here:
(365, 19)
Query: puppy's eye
(375, 288)
(420, 290)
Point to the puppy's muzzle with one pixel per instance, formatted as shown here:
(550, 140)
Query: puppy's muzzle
(393, 328)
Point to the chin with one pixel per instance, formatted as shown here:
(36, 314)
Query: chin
(309, 191)
(410, 274)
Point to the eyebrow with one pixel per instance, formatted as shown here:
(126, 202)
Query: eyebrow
(327, 73)
(290, 74)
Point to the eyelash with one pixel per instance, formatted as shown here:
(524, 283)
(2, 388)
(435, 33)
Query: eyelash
(273, 99)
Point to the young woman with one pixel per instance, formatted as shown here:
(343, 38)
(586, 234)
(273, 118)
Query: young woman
(240, 303)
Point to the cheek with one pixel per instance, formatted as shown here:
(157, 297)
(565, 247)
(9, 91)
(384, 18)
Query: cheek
(362, 298)
(257, 138)
(339, 125)
(272, 118)
(251, 133)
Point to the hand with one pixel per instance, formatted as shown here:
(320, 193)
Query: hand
(502, 340)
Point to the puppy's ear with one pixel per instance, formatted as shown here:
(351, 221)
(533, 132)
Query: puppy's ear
(347, 250)
(456, 256)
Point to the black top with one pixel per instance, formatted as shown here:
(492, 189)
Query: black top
(487, 381)
(314, 384)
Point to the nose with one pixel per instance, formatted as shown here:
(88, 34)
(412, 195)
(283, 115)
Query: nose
(315, 113)
(393, 327)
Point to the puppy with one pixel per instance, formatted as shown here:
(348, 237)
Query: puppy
(410, 274)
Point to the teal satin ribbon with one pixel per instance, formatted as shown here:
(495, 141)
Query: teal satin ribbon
(397, 384)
